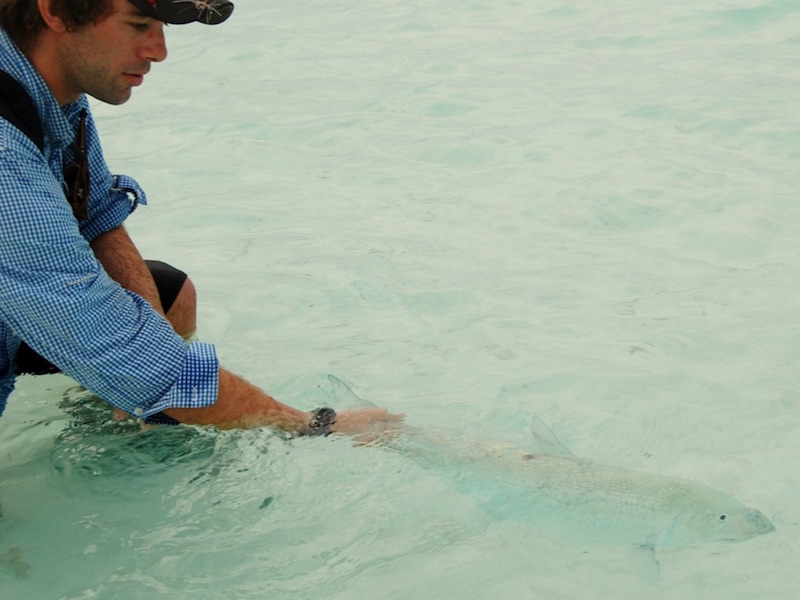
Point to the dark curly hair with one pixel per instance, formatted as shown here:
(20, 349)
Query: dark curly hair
(23, 22)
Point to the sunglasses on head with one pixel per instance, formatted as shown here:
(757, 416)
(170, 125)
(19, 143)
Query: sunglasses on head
(76, 173)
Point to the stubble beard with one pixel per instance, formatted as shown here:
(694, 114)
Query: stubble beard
(92, 73)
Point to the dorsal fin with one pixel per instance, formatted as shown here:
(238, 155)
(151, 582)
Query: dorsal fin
(547, 441)
(341, 395)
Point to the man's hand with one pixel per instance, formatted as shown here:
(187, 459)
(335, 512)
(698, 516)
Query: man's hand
(367, 425)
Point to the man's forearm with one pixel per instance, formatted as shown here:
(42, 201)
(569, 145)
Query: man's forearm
(241, 404)
(117, 253)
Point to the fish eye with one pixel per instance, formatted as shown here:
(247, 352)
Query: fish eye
(722, 518)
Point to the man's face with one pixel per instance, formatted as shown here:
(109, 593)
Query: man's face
(108, 58)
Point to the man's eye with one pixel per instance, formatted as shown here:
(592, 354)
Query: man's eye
(140, 26)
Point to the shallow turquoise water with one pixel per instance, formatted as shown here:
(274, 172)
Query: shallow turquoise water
(470, 212)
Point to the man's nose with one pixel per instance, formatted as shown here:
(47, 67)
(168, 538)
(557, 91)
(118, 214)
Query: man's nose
(156, 47)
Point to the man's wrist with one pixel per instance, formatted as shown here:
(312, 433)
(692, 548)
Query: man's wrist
(321, 421)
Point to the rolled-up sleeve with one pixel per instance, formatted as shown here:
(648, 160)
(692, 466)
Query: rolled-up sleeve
(197, 384)
(118, 198)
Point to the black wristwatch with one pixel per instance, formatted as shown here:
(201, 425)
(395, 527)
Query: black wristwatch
(321, 421)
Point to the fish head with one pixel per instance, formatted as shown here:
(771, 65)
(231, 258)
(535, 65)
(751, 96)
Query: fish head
(717, 517)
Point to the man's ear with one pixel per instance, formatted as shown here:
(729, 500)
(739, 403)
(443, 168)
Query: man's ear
(51, 20)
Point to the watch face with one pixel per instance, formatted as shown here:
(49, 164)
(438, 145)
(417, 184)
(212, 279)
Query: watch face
(321, 421)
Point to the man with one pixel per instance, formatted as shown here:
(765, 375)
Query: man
(74, 290)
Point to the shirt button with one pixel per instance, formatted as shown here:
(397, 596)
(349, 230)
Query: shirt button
(138, 412)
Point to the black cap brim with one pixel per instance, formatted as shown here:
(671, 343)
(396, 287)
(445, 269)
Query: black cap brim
(179, 12)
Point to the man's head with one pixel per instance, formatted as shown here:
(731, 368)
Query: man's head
(99, 47)
(22, 19)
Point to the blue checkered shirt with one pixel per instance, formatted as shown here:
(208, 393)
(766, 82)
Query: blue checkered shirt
(55, 295)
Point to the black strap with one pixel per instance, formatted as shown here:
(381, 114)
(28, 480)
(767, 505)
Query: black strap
(17, 108)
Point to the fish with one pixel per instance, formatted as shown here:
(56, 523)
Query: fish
(577, 498)
(552, 488)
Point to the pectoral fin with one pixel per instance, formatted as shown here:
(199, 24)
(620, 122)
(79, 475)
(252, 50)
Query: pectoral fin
(645, 564)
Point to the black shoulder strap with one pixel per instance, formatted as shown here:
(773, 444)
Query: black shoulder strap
(17, 108)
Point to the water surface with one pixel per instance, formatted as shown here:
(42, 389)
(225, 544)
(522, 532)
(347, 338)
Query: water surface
(471, 213)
